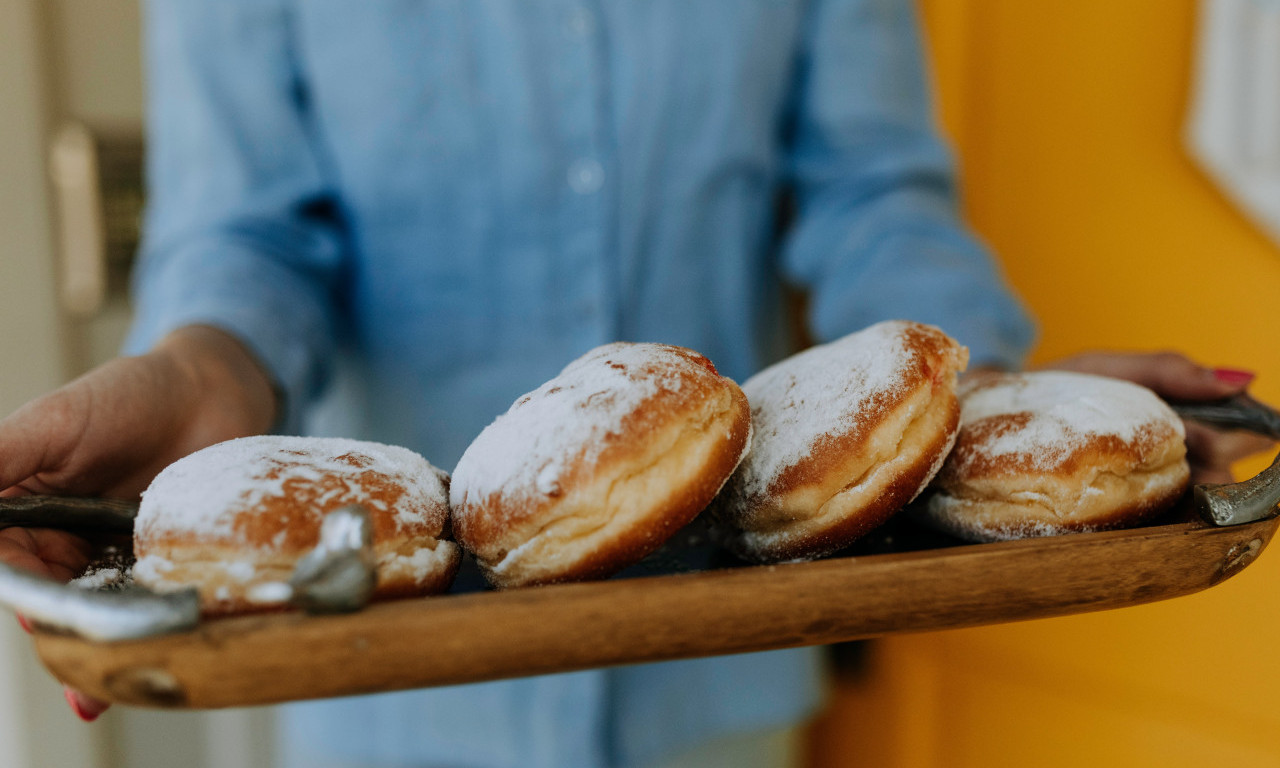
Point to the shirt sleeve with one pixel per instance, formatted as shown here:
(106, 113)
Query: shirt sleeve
(241, 231)
(877, 235)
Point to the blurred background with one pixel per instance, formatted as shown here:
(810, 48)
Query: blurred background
(1071, 120)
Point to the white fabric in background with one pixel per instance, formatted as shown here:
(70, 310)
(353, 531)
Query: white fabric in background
(1234, 126)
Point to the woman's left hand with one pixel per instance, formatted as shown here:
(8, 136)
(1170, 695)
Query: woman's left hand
(1210, 451)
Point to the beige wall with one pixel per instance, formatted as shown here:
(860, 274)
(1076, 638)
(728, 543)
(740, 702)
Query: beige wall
(34, 730)
(96, 61)
(65, 59)
(61, 60)
(33, 333)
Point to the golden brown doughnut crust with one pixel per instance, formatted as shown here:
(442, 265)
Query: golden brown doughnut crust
(263, 501)
(851, 450)
(1054, 452)
(654, 433)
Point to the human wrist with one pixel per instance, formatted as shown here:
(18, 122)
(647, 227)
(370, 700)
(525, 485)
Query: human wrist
(223, 376)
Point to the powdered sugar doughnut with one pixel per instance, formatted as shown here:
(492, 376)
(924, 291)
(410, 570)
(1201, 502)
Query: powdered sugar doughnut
(1054, 452)
(233, 519)
(599, 466)
(846, 434)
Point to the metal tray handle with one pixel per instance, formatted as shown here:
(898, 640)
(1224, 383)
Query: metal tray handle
(336, 576)
(1250, 500)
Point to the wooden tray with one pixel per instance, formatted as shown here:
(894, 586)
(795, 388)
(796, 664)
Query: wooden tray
(485, 636)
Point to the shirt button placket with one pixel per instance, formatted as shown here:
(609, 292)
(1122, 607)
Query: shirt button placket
(585, 173)
(580, 22)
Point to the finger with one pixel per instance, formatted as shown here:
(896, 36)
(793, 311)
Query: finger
(1241, 445)
(18, 548)
(56, 554)
(27, 438)
(61, 546)
(1173, 375)
(1167, 373)
(86, 707)
(66, 554)
(28, 487)
(1202, 453)
(1211, 447)
(1213, 476)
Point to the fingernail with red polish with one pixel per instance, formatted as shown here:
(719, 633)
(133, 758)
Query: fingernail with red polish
(83, 709)
(22, 622)
(1233, 376)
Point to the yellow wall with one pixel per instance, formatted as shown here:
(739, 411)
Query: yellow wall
(1067, 117)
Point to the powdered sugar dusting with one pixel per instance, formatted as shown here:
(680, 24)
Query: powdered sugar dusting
(824, 390)
(104, 578)
(201, 493)
(238, 569)
(1026, 530)
(1054, 413)
(565, 422)
(269, 593)
(153, 570)
(111, 569)
(423, 564)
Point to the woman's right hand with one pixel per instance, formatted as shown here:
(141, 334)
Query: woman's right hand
(111, 431)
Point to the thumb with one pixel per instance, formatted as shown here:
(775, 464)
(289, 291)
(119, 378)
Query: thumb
(1169, 374)
(28, 440)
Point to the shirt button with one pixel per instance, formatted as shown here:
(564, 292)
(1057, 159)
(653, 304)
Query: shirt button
(580, 22)
(586, 176)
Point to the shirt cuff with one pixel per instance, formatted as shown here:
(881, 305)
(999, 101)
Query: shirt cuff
(276, 312)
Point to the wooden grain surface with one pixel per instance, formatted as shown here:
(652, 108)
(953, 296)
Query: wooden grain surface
(466, 638)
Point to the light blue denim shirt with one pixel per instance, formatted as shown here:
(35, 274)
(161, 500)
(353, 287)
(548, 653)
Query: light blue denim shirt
(446, 201)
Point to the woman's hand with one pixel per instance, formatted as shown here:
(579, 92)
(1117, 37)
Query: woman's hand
(111, 431)
(1210, 451)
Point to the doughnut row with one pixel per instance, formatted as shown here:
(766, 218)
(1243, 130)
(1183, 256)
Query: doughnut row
(597, 468)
